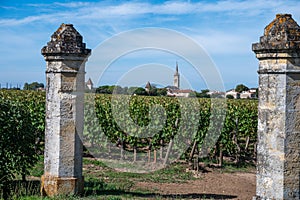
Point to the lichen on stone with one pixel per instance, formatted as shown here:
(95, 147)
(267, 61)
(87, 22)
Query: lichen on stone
(282, 33)
(65, 39)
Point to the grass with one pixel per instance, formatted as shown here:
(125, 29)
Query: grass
(38, 169)
(172, 173)
(232, 167)
(229, 166)
(103, 182)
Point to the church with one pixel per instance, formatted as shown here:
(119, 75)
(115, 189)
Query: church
(175, 91)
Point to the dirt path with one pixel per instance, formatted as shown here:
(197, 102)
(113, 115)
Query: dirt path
(212, 185)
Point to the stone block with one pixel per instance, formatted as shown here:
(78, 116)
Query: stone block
(52, 185)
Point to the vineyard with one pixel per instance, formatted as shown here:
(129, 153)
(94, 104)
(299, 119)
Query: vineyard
(22, 116)
(134, 124)
(158, 126)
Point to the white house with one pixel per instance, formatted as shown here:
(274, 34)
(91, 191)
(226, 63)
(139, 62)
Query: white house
(250, 94)
(178, 93)
(233, 93)
(215, 94)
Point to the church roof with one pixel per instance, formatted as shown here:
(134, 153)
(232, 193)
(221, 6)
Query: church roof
(89, 82)
(176, 72)
(172, 87)
(148, 85)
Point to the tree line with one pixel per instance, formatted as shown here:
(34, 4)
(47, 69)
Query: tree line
(154, 91)
(116, 89)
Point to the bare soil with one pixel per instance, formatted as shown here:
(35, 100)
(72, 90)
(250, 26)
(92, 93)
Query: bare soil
(211, 185)
(211, 182)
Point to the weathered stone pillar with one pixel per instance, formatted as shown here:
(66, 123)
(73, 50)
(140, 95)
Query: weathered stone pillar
(278, 151)
(65, 55)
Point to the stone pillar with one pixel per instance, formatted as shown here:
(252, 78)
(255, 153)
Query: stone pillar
(278, 151)
(65, 55)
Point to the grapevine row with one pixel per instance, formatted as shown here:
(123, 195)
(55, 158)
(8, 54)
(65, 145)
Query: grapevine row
(167, 115)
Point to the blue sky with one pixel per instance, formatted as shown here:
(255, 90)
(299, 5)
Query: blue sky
(224, 29)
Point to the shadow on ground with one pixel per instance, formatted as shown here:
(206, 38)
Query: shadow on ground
(168, 196)
(99, 188)
(90, 190)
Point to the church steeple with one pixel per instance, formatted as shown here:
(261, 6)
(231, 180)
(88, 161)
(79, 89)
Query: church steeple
(176, 77)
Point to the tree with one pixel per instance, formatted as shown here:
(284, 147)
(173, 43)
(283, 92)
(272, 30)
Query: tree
(117, 89)
(137, 91)
(152, 91)
(26, 87)
(256, 92)
(240, 88)
(104, 90)
(161, 91)
(140, 91)
(193, 94)
(229, 96)
(33, 86)
(203, 94)
(125, 90)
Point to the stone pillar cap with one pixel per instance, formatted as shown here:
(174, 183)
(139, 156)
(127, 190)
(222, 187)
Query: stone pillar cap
(65, 40)
(282, 34)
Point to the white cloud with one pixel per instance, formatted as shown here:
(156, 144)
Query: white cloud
(72, 4)
(222, 42)
(8, 7)
(26, 20)
(91, 10)
(239, 6)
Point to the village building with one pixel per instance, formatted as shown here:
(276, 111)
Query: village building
(40, 89)
(233, 93)
(215, 94)
(179, 93)
(148, 87)
(175, 91)
(89, 84)
(176, 77)
(253, 90)
(248, 94)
